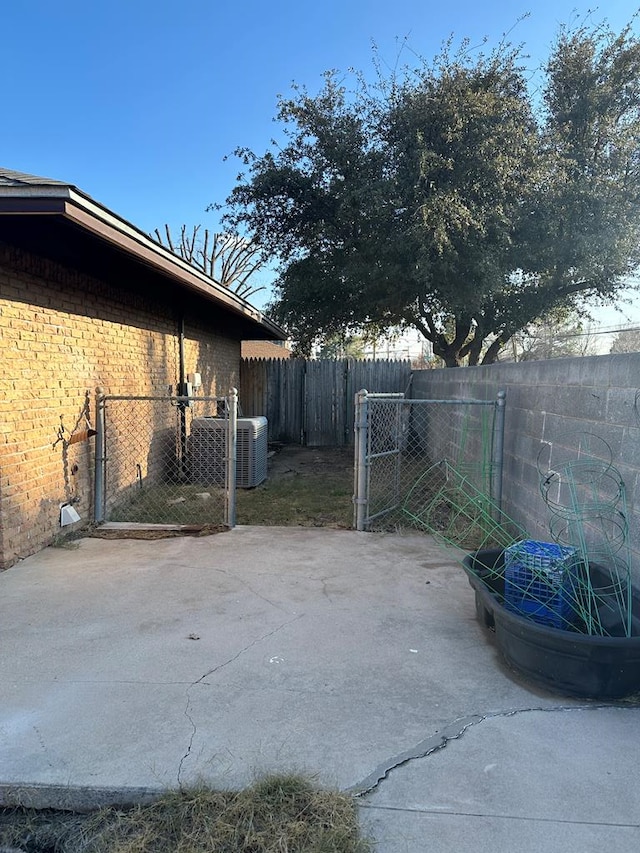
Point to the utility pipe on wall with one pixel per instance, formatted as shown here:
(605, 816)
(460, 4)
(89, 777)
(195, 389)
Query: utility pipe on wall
(100, 460)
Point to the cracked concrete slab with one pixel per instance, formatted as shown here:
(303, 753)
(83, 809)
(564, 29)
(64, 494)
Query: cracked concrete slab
(129, 666)
(555, 779)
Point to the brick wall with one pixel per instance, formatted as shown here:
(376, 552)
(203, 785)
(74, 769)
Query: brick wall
(550, 406)
(62, 335)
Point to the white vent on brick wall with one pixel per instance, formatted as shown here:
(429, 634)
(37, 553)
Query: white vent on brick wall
(207, 451)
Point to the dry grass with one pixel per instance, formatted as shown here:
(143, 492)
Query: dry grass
(308, 487)
(279, 814)
(297, 503)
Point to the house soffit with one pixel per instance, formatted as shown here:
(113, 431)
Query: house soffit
(24, 195)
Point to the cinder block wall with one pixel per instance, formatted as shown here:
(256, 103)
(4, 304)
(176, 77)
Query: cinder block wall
(550, 404)
(62, 335)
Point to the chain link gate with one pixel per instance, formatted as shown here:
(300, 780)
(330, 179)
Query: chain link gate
(166, 460)
(413, 458)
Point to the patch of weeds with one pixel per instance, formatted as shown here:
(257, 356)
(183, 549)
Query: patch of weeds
(276, 814)
(69, 539)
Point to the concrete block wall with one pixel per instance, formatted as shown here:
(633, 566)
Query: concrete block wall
(550, 406)
(62, 335)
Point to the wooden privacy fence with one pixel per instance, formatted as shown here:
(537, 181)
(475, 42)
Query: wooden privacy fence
(312, 402)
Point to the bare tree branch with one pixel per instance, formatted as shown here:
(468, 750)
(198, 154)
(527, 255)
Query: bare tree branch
(226, 258)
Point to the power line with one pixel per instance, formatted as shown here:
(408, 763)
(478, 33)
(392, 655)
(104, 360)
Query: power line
(605, 331)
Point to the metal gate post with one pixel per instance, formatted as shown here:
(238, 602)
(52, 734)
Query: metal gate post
(497, 461)
(360, 499)
(100, 460)
(232, 452)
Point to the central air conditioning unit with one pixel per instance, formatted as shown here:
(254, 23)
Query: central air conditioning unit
(208, 450)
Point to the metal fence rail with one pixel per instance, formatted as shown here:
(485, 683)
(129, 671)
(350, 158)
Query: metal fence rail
(168, 460)
(406, 449)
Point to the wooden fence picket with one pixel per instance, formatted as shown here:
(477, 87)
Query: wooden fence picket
(311, 402)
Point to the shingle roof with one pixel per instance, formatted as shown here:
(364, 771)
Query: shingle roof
(9, 177)
(264, 349)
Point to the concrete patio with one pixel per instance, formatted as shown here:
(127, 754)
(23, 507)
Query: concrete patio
(131, 666)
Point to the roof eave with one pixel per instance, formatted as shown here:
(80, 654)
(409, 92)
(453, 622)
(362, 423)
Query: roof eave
(99, 220)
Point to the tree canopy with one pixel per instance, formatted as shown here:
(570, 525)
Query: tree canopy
(454, 198)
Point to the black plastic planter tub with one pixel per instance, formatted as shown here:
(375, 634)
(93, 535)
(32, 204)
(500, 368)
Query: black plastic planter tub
(566, 662)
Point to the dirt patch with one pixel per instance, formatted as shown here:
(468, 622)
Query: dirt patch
(312, 462)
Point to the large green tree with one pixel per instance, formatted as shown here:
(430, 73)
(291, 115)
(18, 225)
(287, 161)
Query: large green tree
(453, 199)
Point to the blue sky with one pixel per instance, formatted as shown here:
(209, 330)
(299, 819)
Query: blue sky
(138, 102)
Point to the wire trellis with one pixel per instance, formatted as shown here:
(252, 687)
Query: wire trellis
(586, 499)
(578, 581)
(445, 502)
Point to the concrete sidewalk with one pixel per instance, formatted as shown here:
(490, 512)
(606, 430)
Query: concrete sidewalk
(131, 666)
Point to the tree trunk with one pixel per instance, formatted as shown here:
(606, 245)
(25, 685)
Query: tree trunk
(447, 352)
(475, 348)
(491, 355)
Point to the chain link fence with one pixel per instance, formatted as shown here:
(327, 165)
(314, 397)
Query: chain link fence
(416, 460)
(166, 460)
